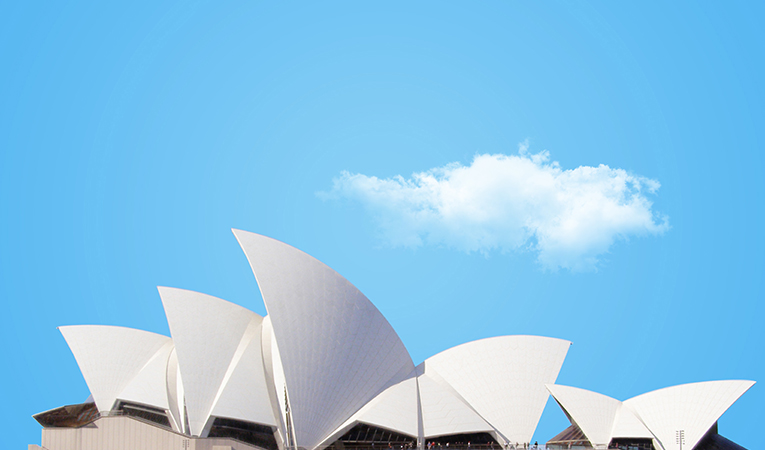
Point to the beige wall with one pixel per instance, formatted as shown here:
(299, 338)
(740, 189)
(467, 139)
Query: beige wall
(127, 433)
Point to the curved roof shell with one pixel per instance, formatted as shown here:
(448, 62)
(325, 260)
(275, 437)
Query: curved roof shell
(337, 350)
(177, 408)
(693, 407)
(628, 425)
(110, 357)
(208, 333)
(149, 386)
(244, 393)
(444, 412)
(394, 409)
(503, 379)
(599, 417)
(593, 413)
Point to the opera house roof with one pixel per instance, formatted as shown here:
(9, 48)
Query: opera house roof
(656, 416)
(324, 362)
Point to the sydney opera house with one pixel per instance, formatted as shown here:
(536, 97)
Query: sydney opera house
(324, 368)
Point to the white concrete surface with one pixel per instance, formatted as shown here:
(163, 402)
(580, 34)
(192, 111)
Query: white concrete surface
(110, 357)
(337, 350)
(693, 407)
(207, 332)
(503, 379)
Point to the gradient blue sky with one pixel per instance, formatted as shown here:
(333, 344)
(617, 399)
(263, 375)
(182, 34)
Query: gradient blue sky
(133, 137)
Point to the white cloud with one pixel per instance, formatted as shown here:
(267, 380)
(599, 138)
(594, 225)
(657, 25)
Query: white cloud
(510, 203)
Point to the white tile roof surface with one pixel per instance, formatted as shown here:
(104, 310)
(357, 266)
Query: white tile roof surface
(337, 349)
(444, 412)
(110, 357)
(207, 332)
(149, 387)
(244, 393)
(600, 417)
(693, 407)
(659, 414)
(503, 378)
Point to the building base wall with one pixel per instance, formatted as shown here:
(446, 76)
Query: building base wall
(129, 433)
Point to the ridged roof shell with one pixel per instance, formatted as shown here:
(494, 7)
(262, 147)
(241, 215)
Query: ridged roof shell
(110, 357)
(337, 349)
(503, 379)
(692, 407)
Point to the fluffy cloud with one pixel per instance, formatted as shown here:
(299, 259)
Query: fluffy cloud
(510, 203)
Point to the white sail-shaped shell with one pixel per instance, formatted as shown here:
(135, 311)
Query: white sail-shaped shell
(244, 395)
(394, 409)
(337, 349)
(592, 412)
(628, 425)
(110, 357)
(503, 379)
(149, 387)
(693, 408)
(207, 332)
(444, 412)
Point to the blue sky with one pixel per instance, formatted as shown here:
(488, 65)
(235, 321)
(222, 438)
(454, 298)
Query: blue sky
(134, 137)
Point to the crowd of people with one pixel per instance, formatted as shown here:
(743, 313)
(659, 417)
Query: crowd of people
(435, 445)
